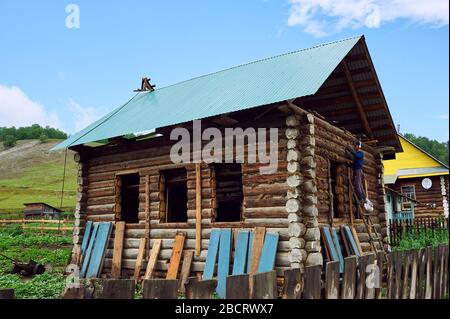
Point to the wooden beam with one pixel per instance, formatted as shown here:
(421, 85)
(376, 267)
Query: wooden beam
(147, 211)
(198, 207)
(330, 192)
(350, 197)
(359, 106)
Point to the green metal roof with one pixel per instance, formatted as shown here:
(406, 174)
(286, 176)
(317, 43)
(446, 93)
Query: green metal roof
(267, 81)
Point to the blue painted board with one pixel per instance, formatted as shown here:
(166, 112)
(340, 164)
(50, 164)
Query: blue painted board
(240, 254)
(98, 253)
(352, 241)
(87, 234)
(211, 257)
(223, 266)
(339, 250)
(269, 251)
(87, 256)
(329, 238)
(249, 251)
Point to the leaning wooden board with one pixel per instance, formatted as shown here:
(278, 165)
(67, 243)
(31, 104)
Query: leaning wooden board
(153, 258)
(87, 255)
(249, 251)
(351, 241)
(118, 250)
(223, 266)
(257, 245)
(99, 250)
(269, 251)
(175, 260)
(186, 268)
(139, 259)
(211, 257)
(358, 244)
(328, 240)
(86, 237)
(338, 250)
(240, 253)
(345, 241)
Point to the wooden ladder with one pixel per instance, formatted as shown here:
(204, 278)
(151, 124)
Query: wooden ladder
(373, 235)
(368, 223)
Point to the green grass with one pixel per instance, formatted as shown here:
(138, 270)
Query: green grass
(50, 250)
(423, 238)
(35, 175)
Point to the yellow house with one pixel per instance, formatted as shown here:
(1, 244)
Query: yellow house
(416, 175)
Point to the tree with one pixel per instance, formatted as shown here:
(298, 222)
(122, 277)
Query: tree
(9, 141)
(32, 132)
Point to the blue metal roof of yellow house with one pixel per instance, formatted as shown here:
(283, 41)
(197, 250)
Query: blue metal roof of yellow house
(266, 81)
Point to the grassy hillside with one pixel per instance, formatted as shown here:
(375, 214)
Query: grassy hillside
(29, 172)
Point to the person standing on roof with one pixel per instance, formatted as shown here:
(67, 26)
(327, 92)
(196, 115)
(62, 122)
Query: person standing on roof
(358, 164)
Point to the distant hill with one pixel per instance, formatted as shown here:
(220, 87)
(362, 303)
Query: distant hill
(29, 172)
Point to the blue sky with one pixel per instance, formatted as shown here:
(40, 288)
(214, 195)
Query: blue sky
(69, 77)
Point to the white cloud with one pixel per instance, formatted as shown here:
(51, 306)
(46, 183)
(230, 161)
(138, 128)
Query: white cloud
(444, 117)
(325, 17)
(17, 109)
(82, 116)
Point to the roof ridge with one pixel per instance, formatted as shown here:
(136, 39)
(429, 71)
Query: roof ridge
(260, 60)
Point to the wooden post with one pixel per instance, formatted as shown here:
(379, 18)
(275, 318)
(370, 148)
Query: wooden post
(350, 197)
(198, 207)
(147, 211)
(330, 194)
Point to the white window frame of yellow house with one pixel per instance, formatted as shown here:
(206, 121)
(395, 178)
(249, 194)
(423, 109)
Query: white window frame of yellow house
(406, 198)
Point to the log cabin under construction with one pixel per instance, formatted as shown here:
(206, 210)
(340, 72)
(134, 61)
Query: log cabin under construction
(322, 100)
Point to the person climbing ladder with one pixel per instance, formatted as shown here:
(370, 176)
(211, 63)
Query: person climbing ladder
(358, 163)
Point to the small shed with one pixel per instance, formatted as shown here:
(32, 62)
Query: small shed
(38, 210)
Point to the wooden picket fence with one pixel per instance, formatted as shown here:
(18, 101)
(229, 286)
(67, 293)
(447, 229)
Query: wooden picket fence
(414, 274)
(398, 228)
(40, 225)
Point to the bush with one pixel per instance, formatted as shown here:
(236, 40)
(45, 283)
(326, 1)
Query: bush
(43, 138)
(9, 141)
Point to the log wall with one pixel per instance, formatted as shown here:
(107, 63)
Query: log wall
(263, 204)
(427, 198)
(293, 201)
